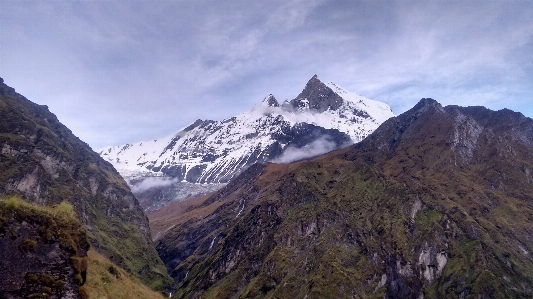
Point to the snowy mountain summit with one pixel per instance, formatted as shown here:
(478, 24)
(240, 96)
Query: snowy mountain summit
(323, 117)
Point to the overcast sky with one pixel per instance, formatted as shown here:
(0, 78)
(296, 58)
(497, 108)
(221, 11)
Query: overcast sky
(125, 71)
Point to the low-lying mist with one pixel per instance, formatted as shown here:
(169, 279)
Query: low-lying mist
(318, 147)
(152, 182)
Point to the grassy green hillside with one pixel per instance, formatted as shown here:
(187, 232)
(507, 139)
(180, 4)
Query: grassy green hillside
(107, 280)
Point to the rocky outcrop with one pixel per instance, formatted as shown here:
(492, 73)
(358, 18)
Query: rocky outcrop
(43, 252)
(317, 96)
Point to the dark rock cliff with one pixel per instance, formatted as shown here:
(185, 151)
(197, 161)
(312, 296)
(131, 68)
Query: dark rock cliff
(42, 161)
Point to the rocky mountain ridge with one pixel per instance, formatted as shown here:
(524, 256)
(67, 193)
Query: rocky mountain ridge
(436, 203)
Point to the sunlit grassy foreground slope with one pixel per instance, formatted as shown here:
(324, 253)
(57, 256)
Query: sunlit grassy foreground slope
(106, 280)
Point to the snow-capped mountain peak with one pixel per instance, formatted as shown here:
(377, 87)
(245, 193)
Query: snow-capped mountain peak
(377, 110)
(210, 151)
(269, 101)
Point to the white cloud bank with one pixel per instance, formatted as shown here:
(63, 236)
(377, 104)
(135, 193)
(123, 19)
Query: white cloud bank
(318, 147)
(152, 182)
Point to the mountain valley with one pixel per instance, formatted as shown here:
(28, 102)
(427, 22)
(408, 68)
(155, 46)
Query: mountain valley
(436, 202)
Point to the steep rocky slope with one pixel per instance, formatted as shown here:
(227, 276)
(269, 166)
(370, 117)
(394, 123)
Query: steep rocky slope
(436, 203)
(42, 161)
(323, 117)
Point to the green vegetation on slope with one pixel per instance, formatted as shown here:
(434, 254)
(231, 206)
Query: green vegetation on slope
(57, 223)
(107, 280)
(333, 231)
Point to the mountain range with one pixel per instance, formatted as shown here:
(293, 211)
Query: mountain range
(207, 153)
(435, 203)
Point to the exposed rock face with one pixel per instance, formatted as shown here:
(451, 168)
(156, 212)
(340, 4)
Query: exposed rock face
(41, 255)
(435, 203)
(317, 96)
(44, 162)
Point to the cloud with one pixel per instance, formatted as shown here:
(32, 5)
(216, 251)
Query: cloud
(290, 15)
(151, 182)
(318, 147)
(124, 71)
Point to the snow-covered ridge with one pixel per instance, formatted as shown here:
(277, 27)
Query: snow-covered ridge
(215, 151)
